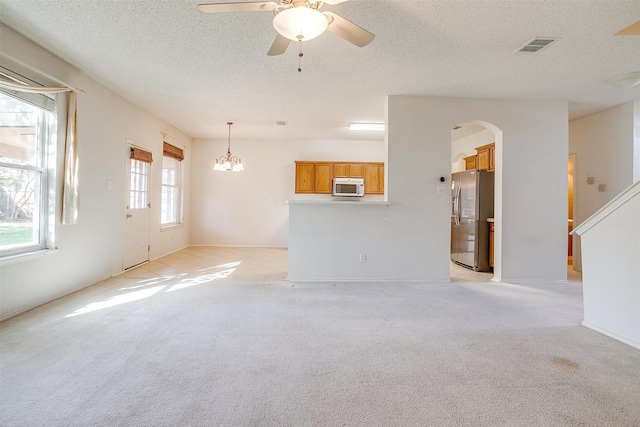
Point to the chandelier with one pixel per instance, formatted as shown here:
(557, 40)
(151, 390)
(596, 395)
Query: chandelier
(228, 161)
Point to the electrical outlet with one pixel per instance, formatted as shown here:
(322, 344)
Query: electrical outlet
(602, 188)
(441, 190)
(363, 257)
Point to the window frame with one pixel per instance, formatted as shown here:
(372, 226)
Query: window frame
(45, 167)
(178, 187)
(139, 174)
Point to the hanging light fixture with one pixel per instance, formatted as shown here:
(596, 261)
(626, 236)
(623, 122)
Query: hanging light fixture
(228, 161)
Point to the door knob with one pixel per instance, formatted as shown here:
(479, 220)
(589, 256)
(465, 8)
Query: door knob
(129, 215)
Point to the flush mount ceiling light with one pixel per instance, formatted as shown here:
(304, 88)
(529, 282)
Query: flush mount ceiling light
(228, 161)
(625, 81)
(366, 126)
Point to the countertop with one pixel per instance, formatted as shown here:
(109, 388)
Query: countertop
(339, 202)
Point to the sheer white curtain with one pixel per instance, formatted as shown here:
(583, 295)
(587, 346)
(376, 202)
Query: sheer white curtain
(70, 189)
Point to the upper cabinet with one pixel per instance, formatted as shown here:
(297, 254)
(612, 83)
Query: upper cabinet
(317, 177)
(486, 157)
(470, 162)
(348, 170)
(374, 178)
(484, 160)
(324, 177)
(305, 177)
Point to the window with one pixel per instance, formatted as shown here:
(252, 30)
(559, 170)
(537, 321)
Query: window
(171, 207)
(27, 145)
(138, 184)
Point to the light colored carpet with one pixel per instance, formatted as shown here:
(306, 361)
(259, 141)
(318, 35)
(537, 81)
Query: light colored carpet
(204, 350)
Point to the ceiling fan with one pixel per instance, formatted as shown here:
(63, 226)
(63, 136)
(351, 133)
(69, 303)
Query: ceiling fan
(297, 20)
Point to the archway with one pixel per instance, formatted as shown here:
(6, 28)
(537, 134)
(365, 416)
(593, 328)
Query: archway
(465, 138)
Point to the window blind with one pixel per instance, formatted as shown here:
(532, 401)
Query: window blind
(172, 151)
(141, 155)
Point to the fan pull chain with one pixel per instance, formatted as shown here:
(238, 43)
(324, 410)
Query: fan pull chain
(300, 55)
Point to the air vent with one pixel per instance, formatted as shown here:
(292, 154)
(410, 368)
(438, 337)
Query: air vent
(280, 123)
(536, 44)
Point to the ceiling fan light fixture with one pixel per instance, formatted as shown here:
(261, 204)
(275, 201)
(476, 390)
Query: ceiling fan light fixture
(625, 81)
(296, 21)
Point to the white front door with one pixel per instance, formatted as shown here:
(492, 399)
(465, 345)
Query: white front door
(136, 241)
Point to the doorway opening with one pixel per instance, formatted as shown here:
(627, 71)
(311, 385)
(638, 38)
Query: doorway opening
(473, 165)
(570, 187)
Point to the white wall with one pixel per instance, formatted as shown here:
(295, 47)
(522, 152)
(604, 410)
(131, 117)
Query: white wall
(636, 141)
(466, 146)
(91, 250)
(603, 144)
(611, 275)
(410, 239)
(249, 208)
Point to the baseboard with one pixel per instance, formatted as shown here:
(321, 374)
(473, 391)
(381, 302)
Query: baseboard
(31, 307)
(391, 281)
(534, 281)
(236, 246)
(168, 253)
(613, 335)
(147, 262)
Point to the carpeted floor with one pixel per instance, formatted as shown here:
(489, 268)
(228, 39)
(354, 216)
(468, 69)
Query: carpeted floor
(198, 346)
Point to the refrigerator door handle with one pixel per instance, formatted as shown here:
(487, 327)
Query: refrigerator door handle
(458, 194)
(454, 209)
(454, 213)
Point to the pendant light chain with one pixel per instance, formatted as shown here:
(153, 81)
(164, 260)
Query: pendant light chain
(300, 55)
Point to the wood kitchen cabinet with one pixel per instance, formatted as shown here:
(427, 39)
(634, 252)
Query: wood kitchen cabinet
(374, 178)
(356, 170)
(305, 177)
(317, 177)
(341, 170)
(348, 170)
(486, 157)
(323, 178)
(470, 162)
(492, 157)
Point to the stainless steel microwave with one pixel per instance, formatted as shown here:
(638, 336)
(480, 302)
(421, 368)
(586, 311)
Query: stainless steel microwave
(350, 187)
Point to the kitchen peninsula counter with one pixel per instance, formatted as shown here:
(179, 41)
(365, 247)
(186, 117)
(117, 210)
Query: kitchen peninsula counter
(341, 240)
(339, 202)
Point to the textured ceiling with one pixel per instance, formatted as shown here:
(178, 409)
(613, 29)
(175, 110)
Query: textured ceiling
(199, 71)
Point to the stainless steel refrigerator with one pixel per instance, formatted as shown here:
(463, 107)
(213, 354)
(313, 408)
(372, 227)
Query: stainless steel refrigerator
(471, 205)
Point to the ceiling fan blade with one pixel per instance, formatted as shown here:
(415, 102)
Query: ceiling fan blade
(348, 30)
(254, 6)
(631, 30)
(279, 46)
(334, 1)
